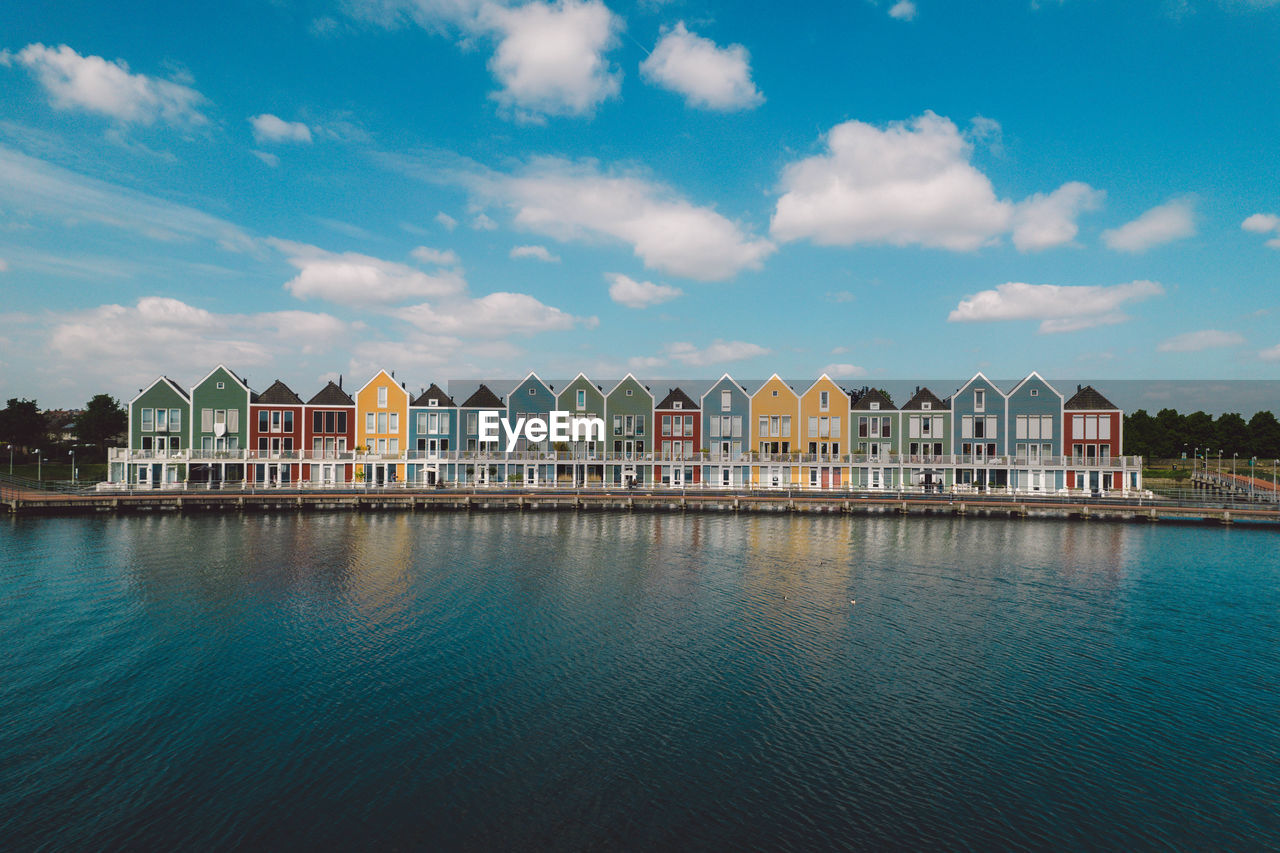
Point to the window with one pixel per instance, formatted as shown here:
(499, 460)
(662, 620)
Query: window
(639, 426)
(148, 420)
(1035, 392)
(263, 418)
(288, 421)
(206, 420)
(582, 399)
(980, 400)
(420, 422)
(382, 423)
(714, 427)
(737, 426)
(775, 393)
(786, 426)
(813, 425)
(162, 420)
(688, 425)
(472, 423)
(875, 406)
(222, 386)
(393, 422)
(317, 421)
(677, 405)
(434, 403)
(629, 392)
(370, 422)
(175, 420)
(617, 424)
(926, 406)
(630, 426)
(726, 400)
(823, 400)
(382, 396)
(275, 421)
(393, 446)
(531, 390)
(1104, 427)
(666, 424)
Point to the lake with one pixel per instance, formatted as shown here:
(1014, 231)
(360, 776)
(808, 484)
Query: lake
(638, 681)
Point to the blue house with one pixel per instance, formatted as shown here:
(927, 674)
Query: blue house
(1035, 426)
(433, 427)
(978, 412)
(726, 424)
(531, 398)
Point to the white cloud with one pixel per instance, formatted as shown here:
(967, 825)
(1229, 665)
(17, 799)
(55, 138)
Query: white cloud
(108, 88)
(1043, 221)
(438, 257)
(1163, 224)
(483, 223)
(1059, 308)
(537, 253)
(446, 220)
(269, 128)
(639, 294)
(1264, 223)
(1270, 353)
(843, 371)
(718, 352)
(130, 344)
(910, 183)
(576, 201)
(550, 57)
(839, 296)
(1201, 340)
(903, 10)
(708, 76)
(36, 188)
(494, 316)
(266, 157)
(354, 279)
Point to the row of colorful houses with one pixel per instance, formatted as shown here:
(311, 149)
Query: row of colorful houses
(1029, 438)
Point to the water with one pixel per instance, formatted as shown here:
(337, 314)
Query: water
(578, 681)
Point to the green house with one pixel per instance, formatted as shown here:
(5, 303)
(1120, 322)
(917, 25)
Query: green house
(219, 427)
(158, 421)
(628, 423)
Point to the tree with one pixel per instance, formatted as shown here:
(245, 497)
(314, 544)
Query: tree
(101, 421)
(1233, 434)
(21, 424)
(1139, 429)
(1168, 437)
(1200, 431)
(1264, 436)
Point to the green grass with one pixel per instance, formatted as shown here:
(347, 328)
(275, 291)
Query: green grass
(91, 472)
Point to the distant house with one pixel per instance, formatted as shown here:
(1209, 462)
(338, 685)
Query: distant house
(1092, 440)
(678, 433)
(329, 436)
(433, 430)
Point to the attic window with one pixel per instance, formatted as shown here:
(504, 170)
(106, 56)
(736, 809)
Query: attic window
(222, 386)
(875, 407)
(433, 403)
(677, 405)
(628, 392)
(1035, 392)
(775, 393)
(530, 392)
(926, 406)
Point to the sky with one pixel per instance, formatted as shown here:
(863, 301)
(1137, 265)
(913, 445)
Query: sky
(462, 188)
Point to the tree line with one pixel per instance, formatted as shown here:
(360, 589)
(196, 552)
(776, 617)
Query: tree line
(25, 427)
(1168, 434)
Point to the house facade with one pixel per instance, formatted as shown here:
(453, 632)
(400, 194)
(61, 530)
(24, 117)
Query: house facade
(329, 437)
(677, 424)
(532, 398)
(1092, 441)
(159, 419)
(482, 461)
(582, 461)
(275, 436)
(978, 421)
(926, 420)
(433, 443)
(775, 409)
(382, 416)
(726, 422)
(1035, 428)
(629, 429)
(875, 434)
(219, 428)
(824, 412)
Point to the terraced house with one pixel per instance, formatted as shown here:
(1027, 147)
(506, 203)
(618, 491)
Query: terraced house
(1027, 440)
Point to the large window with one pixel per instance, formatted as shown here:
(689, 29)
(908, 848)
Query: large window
(726, 400)
(148, 420)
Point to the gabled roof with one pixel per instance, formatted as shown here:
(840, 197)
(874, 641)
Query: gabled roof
(331, 395)
(633, 379)
(166, 380)
(536, 378)
(391, 377)
(677, 396)
(874, 395)
(732, 381)
(1089, 398)
(1030, 376)
(979, 375)
(483, 398)
(437, 394)
(784, 382)
(279, 394)
(829, 381)
(924, 395)
(230, 372)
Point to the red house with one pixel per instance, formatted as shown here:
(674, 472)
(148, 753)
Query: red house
(1092, 441)
(678, 428)
(328, 436)
(275, 436)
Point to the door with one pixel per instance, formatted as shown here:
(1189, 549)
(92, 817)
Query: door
(677, 477)
(826, 478)
(877, 478)
(1037, 481)
(157, 473)
(725, 477)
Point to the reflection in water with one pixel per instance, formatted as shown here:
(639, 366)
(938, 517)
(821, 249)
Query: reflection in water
(637, 680)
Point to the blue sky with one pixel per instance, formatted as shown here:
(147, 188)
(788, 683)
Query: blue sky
(455, 188)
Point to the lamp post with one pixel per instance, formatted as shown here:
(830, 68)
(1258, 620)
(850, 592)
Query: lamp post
(72, 454)
(1253, 465)
(1233, 469)
(11, 460)
(39, 461)
(1219, 463)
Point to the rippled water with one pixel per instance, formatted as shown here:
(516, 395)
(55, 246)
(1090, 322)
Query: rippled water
(640, 681)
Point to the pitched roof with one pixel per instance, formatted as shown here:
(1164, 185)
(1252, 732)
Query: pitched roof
(873, 395)
(924, 395)
(1089, 398)
(279, 394)
(331, 395)
(437, 394)
(483, 399)
(676, 396)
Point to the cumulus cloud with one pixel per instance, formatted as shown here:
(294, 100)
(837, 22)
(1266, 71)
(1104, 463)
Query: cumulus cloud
(446, 220)
(126, 343)
(1059, 308)
(843, 371)
(267, 157)
(1171, 221)
(639, 294)
(1264, 223)
(108, 88)
(494, 316)
(903, 10)
(437, 257)
(537, 253)
(1201, 340)
(577, 201)
(550, 57)
(718, 352)
(482, 222)
(910, 183)
(1044, 221)
(707, 76)
(349, 278)
(269, 128)
(36, 188)
(1270, 353)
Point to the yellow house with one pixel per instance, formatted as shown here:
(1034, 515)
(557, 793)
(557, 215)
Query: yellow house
(775, 410)
(382, 428)
(824, 412)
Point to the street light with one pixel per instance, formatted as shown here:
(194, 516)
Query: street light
(1233, 469)
(11, 460)
(39, 459)
(72, 454)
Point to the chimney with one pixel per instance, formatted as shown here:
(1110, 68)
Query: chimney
(339, 381)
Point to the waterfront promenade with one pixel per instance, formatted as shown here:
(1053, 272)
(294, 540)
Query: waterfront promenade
(24, 499)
